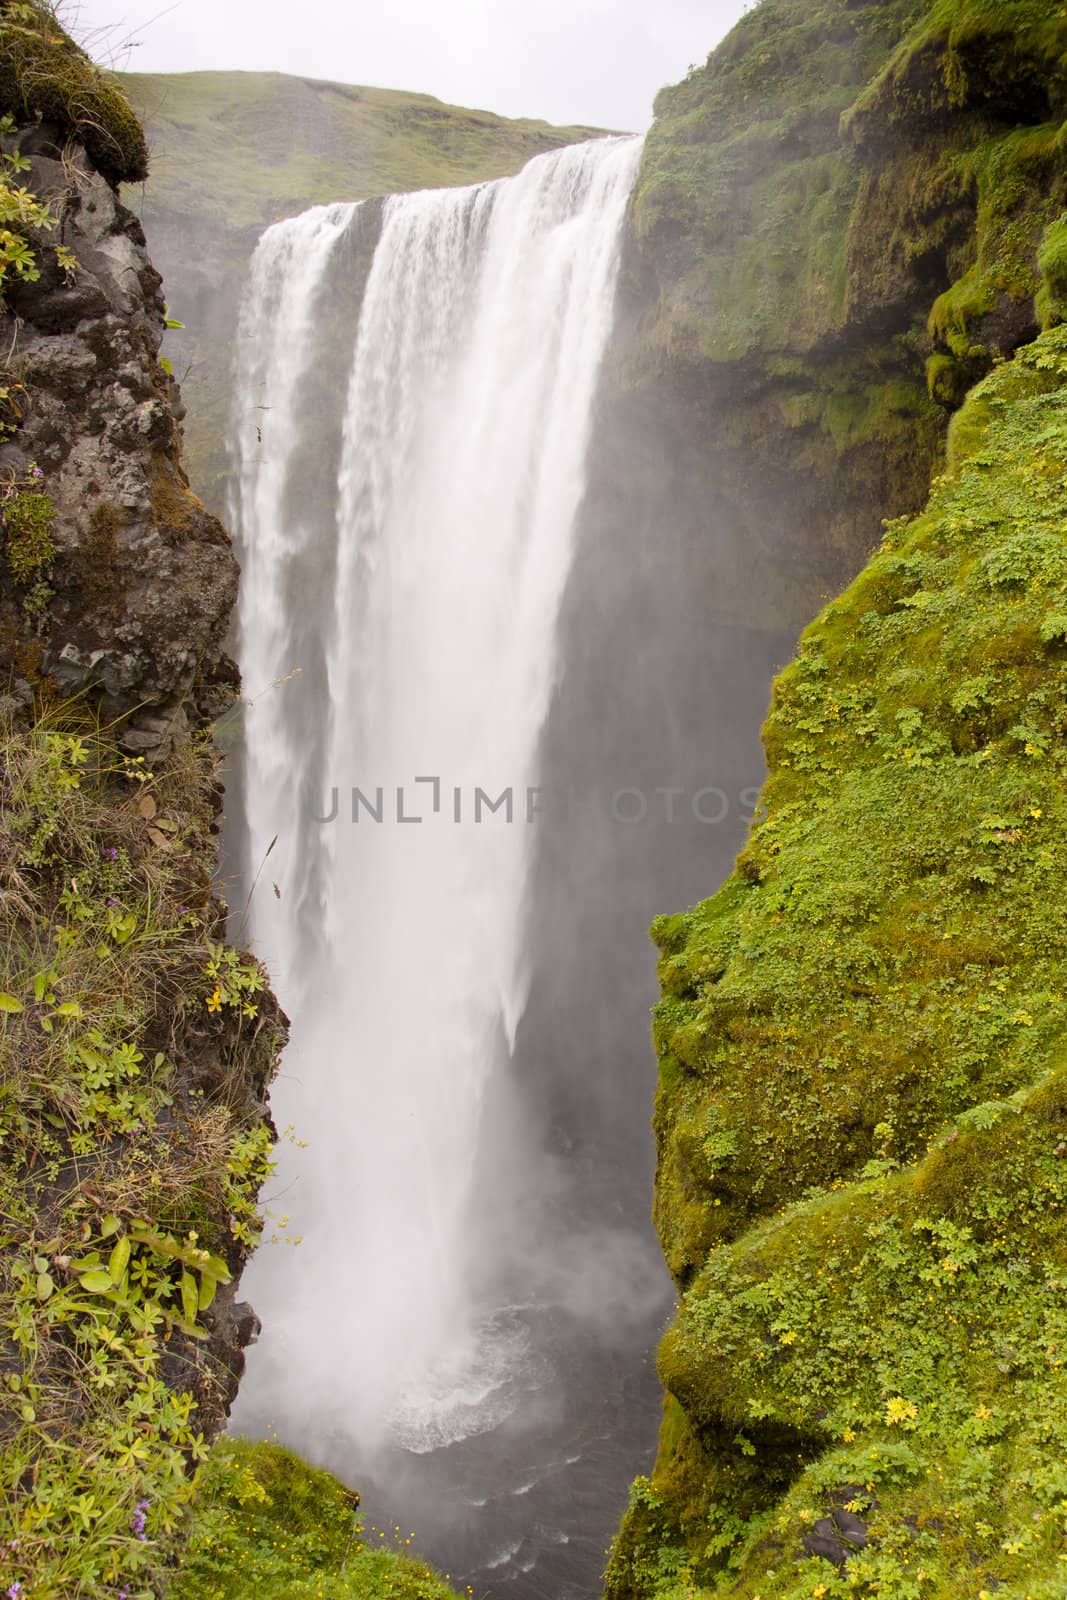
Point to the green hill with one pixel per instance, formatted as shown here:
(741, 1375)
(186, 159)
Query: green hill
(232, 152)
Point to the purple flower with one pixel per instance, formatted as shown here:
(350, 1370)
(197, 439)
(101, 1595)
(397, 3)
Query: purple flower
(14, 1591)
(36, 472)
(183, 911)
(111, 853)
(111, 902)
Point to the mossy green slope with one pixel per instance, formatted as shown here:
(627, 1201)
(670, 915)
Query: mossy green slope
(266, 1524)
(862, 1048)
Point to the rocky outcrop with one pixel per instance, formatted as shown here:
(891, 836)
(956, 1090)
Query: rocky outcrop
(142, 579)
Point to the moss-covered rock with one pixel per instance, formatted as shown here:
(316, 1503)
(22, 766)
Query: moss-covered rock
(265, 1523)
(45, 75)
(844, 191)
(852, 216)
(861, 1038)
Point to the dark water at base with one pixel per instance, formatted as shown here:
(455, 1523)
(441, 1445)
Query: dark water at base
(526, 1512)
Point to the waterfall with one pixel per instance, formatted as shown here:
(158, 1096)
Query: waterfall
(415, 405)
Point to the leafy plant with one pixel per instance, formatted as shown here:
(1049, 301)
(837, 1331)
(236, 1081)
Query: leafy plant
(23, 217)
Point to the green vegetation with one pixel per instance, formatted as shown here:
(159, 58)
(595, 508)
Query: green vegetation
(745, 164)
(44, 74)
(826, 153)
(22, 215)
(264, 1523)
(272, 145)
(862, 1174)
(27, 516)
(24, 218)
(133, 1149)
(860, 1039)
(1003, 55)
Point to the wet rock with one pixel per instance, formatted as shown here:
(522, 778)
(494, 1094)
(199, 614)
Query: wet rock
(824, 1540)
(852, 1529)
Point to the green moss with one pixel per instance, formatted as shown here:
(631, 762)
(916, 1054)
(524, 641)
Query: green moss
(28, 518)
(1052, 267)
(744, 164)
(841, 193)
(1002, 57)
(265, 1523)
(947, 380)
(44, 73)
(1019, 184)
(897, 1342)
(874, 1011)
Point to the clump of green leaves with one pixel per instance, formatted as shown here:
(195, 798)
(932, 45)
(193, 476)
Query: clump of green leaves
(23, 215)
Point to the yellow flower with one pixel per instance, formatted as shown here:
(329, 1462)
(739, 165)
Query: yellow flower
(899, 1410)
(214, 1001)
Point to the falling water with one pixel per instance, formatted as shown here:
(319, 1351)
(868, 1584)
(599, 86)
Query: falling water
(416, 397)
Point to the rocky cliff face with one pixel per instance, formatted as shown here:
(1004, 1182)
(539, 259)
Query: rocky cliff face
(852, 215)
(135, 596)
(839, 224)
(135, 1044)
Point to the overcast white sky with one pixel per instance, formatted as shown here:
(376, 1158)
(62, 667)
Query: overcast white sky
(594, 61)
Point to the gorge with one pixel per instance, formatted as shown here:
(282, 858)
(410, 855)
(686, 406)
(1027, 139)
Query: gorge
(536, 481)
